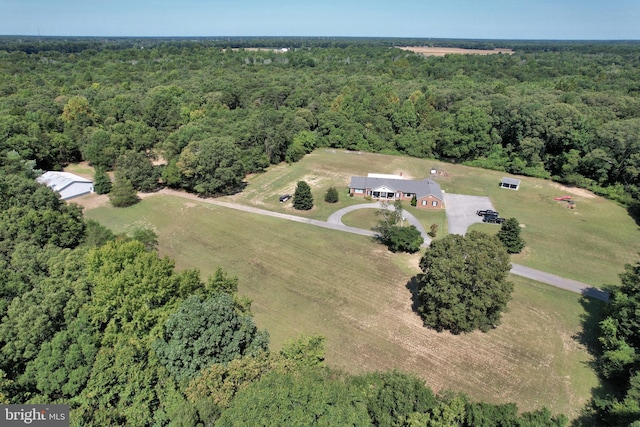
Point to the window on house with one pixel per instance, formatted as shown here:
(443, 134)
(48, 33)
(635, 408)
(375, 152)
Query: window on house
(434, 203)
(424, 203)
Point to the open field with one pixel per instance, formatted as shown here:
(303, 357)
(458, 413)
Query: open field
(590, 243)
(442, 51)
(306, 280)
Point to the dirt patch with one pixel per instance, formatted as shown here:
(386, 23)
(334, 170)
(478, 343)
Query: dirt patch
(91, 201)
(575, 191)
(442, 51)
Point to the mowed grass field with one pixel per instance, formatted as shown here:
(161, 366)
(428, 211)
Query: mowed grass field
(590, 243)
(310, 280)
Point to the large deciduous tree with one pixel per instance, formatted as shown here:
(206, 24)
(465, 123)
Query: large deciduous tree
(391, 233)
(202, 333)
(304, 398)
(137, 168)
(464, 283)
(211, 167)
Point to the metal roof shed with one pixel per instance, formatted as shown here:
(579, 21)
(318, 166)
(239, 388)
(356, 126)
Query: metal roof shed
(66, 184)
(510, 183)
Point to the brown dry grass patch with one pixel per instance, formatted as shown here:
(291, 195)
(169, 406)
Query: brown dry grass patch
(442, 51)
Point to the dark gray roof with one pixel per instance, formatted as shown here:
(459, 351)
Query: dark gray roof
(421, 188)
(513, 181)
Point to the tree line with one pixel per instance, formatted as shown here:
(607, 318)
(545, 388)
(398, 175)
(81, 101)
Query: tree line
(200, 117)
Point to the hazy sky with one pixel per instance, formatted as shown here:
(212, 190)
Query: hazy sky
(512, 19)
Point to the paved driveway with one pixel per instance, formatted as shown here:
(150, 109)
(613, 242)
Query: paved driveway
(336, 217)
(461, 211)
(466, 205)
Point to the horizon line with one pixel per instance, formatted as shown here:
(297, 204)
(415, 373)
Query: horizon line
(36, 36)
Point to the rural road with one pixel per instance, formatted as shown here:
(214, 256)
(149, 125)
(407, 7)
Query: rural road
(334, 223)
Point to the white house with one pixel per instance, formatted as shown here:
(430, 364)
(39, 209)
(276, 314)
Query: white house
(67, 184)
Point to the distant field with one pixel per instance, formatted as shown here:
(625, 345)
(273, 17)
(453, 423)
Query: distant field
(442, 51)
(590, 244)
(306, 280)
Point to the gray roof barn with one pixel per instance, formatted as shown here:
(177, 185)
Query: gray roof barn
(66, 184)
(422, 188)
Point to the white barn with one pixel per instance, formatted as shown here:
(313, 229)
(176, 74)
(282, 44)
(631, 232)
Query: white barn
(66, 184)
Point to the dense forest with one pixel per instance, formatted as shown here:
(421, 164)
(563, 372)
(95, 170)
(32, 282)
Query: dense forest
(214, 114)
(102, 323)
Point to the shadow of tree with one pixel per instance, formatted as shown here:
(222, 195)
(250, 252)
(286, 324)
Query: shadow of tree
(596, 293)
(593, 303)
(413, 287)
(634, 212)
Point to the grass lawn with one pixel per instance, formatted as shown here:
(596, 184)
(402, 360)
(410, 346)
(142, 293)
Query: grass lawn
(590, 243)
(367, 218)
(305, 280)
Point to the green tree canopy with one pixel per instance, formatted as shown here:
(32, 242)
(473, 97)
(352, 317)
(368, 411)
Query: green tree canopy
(137, 168)
(101, 181)
(509, 235)
(392, 397)
(303, 398)
(211, 167)
(122, 193)
(464, 283)
(302, 198)
(620, 358)
(390, 231)
(331, 195)
(202, 333)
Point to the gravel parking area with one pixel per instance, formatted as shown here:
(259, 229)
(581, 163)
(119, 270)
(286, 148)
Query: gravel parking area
(461, 211)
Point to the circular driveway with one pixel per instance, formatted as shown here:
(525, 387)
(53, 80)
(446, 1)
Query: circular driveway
(336, 217)
(461, 211)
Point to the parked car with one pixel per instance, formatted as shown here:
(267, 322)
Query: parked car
(284, 198)
(493, 219)
(485, 212)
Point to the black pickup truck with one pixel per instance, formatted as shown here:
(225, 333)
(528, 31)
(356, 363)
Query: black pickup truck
(486, 212)
(493, 219)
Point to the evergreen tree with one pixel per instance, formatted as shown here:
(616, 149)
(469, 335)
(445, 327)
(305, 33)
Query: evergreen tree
(332, 195)
(101, 181)
(509, 235)
(302, 198)
(122, 193)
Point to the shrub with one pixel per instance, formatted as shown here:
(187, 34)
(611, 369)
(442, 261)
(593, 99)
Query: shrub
(332, 195)
(433, 230)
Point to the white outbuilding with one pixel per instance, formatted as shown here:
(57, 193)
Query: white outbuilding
(66, 184)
